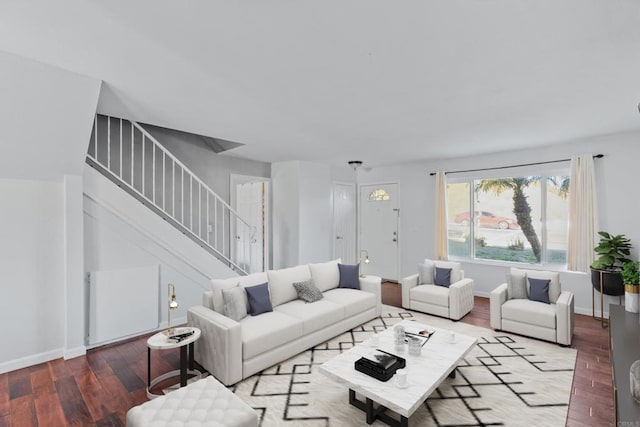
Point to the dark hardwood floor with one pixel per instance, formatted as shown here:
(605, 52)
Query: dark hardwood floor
(99, 388)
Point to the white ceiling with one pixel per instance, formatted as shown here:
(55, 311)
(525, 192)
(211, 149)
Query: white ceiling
(376, 80)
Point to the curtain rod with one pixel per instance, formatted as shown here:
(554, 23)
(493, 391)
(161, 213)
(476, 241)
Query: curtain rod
(596, 156)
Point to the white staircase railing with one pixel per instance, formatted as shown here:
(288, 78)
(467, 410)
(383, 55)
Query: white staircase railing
(129, 155)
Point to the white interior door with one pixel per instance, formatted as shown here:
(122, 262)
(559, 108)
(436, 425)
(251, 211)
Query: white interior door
(251, 204)
(344, 222)
(379, 216)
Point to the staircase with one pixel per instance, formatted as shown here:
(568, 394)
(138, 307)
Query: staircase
(128, 155)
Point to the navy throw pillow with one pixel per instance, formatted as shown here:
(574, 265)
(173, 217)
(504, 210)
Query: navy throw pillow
(443, 277)
(259, 301)
(349, 276)
(539, 290)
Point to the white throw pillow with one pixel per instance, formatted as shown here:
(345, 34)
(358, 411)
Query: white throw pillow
(517, 287)
(217, 285)
(426, 273)
(326, 275)
(235, 304)
(281, 283)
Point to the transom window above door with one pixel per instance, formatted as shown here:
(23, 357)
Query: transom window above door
(379, 195)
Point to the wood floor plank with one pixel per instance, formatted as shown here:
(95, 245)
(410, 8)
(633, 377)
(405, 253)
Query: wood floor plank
(41, 382)
(49, 410)
(23, 411)
(73, 405)
(93, 395)
(20, 383)
(5, 407)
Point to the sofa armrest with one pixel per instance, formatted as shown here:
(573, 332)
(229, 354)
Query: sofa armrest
(407, 283)
(564, 318)
(497, 297)
(219, 349)
(373, 284)
(461, 299)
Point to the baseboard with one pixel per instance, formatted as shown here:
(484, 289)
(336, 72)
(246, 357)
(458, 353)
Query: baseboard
(30, 360)
(72, 353)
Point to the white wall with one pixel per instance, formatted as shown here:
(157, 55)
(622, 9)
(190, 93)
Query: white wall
(617, 177)
(120, 233)
(302, 211)
(45, 119)
(32, 265)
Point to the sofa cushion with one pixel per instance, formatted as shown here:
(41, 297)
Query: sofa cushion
(516, 284)
(217, 285)
(235, 303)
(308, 291)
(259, 300)
(426, 273)
(353, 300)
(443, 277)
(314, 316)
(349, 276)
(281, 283)
(531, 312)
(268, 331)
(431, 294)
(554, 285)
(456, 269)
(326, 275)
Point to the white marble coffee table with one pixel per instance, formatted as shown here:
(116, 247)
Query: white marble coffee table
(438, 360)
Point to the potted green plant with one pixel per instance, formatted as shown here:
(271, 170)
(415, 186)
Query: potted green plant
(631, 278)
(606, 271)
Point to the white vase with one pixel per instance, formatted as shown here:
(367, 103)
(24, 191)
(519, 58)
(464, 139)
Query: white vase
(631, 302)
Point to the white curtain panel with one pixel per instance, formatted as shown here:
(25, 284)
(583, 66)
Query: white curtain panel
(583, 215)
(442, 248)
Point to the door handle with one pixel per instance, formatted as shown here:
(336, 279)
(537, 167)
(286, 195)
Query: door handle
(394, 239)
(339, 237)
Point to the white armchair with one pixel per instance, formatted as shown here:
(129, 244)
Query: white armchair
(550, 322)
(421, 294)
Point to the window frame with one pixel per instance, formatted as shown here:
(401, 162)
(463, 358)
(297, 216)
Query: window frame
(511, 173)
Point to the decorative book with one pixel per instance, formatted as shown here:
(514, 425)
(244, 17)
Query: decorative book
(379, 364)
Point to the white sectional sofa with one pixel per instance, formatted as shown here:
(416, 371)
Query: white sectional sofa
(233, 350)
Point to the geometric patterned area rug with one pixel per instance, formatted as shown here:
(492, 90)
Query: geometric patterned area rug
(506, 380)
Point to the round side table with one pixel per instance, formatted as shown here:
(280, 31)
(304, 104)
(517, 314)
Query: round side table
(161, 341)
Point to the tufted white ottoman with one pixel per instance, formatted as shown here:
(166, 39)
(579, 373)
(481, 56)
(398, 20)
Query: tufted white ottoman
(203, 403)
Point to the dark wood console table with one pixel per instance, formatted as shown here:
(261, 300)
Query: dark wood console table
(624, 347)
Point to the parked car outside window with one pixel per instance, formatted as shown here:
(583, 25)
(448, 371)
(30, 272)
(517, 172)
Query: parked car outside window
(487, 220)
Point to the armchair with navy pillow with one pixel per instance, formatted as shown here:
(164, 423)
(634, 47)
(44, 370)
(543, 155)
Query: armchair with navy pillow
(532, 303)
(439, 288)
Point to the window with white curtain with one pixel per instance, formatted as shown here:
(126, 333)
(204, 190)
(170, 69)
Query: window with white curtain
(515, 217)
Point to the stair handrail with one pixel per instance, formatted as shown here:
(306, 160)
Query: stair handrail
(187, 170)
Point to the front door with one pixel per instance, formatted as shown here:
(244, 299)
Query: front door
(344, 222)
(379, 214)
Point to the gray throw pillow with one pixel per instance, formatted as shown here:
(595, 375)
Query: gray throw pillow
(426, 273)
(539, 290)
(235, 306)
(443, 277)
(308, 291)
(517, 285)
(259, 299)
